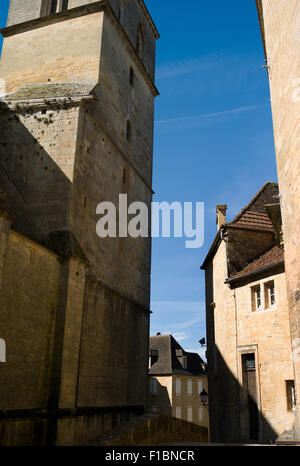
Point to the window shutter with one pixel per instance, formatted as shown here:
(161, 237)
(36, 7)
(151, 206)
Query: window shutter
(178, 386)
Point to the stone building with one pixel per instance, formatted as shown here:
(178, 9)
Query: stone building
(76, 127)
(250, 369)
(280, 27)
(176, 380)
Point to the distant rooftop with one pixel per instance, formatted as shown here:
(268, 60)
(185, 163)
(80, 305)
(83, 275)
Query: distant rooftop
(171, 358)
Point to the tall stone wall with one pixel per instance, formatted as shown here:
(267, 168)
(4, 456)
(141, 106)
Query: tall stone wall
(28, 302)
(280, 20)
(66, 148)
(114, 351)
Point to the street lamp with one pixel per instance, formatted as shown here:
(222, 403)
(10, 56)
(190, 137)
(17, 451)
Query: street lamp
(204, 397)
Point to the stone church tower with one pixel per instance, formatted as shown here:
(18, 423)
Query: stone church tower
(76, 125)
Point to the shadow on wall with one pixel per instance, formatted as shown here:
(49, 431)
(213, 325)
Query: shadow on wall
(234, 413)
(29, 176)
(160, 402)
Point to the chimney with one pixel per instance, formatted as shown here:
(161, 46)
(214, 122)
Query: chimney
(221, 215)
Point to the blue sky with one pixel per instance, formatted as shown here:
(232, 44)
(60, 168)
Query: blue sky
(213, 139)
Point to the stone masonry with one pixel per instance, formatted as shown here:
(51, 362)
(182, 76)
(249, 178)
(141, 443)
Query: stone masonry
(280, 26)
(74, 307)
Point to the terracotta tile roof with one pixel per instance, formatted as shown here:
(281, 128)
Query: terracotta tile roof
(254, 215)
(272, 257)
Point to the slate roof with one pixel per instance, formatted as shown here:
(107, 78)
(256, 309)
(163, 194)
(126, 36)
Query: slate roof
(272, 257)
(254, 216)
(169, 352)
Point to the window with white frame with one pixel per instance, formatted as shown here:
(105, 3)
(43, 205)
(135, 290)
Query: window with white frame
(178, 412)
(178, 387)
(200, 386)
(256, 298)
(190, 414)
(190, 387)
(270, 299)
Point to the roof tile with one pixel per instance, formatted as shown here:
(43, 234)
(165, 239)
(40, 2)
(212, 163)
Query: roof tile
(272, 257)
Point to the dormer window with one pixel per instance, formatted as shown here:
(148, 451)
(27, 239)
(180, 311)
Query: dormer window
(153, 357)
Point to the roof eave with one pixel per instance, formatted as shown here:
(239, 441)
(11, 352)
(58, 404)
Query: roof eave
(254, 273)
(213, 249)
(261, 23)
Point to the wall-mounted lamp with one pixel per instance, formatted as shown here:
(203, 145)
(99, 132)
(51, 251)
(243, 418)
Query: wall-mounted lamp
(202, 342)
(204, 397)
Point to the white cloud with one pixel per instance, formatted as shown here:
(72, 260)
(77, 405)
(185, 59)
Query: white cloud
(178, 306)
(222, 113)
(200, 351)
(180, 336)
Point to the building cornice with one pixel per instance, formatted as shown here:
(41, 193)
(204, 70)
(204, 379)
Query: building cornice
(213, 249)
(149, 18)
(253, 276)
(259, 7)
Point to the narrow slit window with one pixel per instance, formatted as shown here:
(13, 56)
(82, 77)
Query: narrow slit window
(140, 40)
(128, 131)
(290, 395)
(131, 76)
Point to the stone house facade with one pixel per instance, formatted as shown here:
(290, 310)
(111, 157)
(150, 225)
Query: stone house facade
(176, 380)
(76, 126)
(250, 369)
